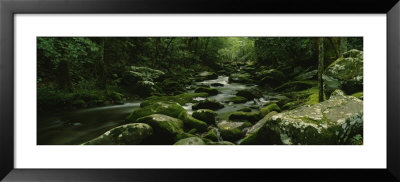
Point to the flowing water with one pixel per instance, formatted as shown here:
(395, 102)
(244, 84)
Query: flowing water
(76, 127)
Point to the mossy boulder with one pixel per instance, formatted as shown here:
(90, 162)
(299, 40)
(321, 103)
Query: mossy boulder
(271, 77)
(258, 134)
(205, 115)
(181, 99)
(237, 99)
(165, 128)
(211, 135)
(208, 104)
(296, 86)
(346, 73)
(191, 122)
(240, 78)
(184, 135)
(333, 121)
(250, 94)
(129, 134)
(210, 91)
(269, 108)
(190, 141)
(232, 131)
(247, 116)
(171, 109)
(206, 75)
(280, 99)
(220, 143)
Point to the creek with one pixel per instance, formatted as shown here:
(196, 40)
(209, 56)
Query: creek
(79, 126)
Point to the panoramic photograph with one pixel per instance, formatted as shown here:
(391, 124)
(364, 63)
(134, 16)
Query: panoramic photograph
(199, 91)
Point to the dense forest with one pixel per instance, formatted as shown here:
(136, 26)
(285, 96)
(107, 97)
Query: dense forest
(200, 90)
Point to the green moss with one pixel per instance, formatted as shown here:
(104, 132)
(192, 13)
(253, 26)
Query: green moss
(296, 86)
(181, 99)
(248, 116)
(358, 95)
(237, 99)
(165, 128)
(206, 115)
(211, 135)
(291, 105)
(210, 91)
(79, 103)
(166, 108)
(183, 135)
(267, 109)
(191, 122)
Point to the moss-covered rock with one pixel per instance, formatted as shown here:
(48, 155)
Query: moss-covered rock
(232, 131)
(271, 77)
(184, 135)
(346, 73)
(210, 91)
(269, 108)
(258, 134)
(246, 109)
(237, 99)
(165, 128)
(358, 95)
(296, 86)
(206, 75)
(191, 122)
(190, 141)
(250, 94)
(333, 121)
(208, 104)
(171, 109)
(206, 115)
(181, 99)
(280, 99)
(220, 143)
(248, 116)
(211, 135)
(240, 78)
(129, 134)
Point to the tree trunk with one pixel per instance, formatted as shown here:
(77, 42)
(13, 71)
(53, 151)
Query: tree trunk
(320, 68)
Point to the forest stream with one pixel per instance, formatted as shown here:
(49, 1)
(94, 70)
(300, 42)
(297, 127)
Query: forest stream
(79, 126)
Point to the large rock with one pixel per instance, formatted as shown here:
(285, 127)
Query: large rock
(258, 134)
(296, 86)
(267, 109)
(208, 104)
(333, 121)
(206, 75)
(190, 141)
(205, 115)
(237, 99)
(210, 91)
(129, 134)
(232, 131)
(165, 128)
(250, 94)
(346, 73)
(191, 122)
(212, 135)
(171, 109)
(246, 116)
(271, 77)
(240, 78)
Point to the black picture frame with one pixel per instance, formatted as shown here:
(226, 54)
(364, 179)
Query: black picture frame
(8, 8)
